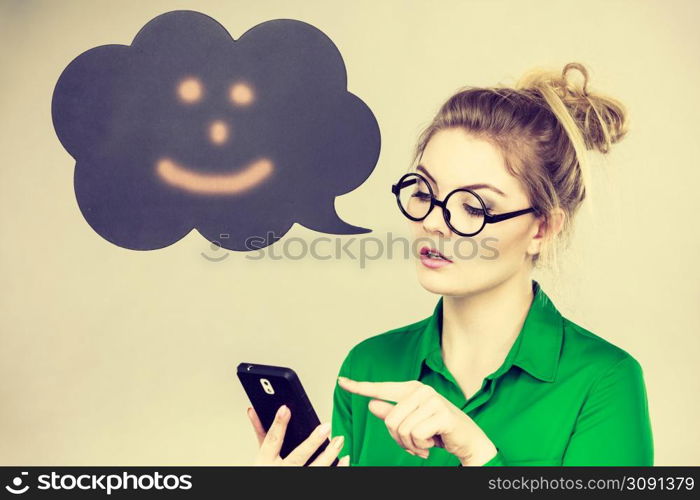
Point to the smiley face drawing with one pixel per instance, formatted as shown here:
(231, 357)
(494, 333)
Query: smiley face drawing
(190, 91)
(190, 129)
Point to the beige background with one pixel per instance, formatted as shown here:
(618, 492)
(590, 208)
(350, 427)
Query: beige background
(110, 356)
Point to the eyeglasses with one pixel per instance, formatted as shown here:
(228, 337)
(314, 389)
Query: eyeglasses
(464, 211)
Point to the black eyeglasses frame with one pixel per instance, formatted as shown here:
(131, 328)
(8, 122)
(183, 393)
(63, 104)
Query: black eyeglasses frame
(488, 218)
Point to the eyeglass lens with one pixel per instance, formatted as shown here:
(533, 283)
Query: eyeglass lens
(466, 213)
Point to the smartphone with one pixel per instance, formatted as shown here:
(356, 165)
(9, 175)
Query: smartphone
(268, 387)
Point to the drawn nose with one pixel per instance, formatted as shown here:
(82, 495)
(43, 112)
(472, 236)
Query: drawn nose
(218, 132)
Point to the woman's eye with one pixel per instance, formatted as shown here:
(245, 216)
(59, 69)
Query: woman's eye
(476, 211)
(421, 195)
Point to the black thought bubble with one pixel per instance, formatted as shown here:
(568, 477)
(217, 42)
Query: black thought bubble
(188, 128)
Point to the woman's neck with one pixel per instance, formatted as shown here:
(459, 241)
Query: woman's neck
(478, 330)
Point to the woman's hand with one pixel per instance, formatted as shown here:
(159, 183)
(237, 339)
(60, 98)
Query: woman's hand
(422, 418)
(271, 443)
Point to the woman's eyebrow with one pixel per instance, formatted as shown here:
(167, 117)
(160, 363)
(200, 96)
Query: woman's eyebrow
(470, 186)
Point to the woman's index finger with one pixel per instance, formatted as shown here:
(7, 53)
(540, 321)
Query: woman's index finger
(388, 391)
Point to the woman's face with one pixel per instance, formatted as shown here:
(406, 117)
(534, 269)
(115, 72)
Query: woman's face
(453, 159)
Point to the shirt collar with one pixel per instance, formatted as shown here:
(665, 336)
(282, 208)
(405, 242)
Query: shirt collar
(535, 350)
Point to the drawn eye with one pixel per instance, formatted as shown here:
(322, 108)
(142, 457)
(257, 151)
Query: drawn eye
(190, 90)
(241, 94)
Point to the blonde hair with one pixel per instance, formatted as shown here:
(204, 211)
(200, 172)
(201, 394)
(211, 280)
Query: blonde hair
(543, 127)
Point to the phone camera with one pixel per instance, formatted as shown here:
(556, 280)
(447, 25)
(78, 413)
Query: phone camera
(267, 386)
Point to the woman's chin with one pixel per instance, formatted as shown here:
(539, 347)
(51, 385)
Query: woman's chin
(436, 282)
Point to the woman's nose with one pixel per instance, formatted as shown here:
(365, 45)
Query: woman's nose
(218, 132)
(435, 221)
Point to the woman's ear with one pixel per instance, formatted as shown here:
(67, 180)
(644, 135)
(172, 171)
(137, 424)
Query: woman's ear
(547, 227)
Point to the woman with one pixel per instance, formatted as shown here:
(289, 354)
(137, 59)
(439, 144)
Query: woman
(496, 375)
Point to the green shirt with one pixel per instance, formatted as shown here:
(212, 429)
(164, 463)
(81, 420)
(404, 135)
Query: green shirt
(563, 395)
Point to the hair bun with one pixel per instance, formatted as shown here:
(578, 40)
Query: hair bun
(603, 120)
(583, 70)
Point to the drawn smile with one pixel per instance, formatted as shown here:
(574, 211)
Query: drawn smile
(187, 179)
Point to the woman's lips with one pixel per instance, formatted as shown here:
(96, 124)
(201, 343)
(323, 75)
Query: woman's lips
(433, 262)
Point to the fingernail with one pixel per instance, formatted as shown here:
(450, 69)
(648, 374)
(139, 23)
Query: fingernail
(343, 379)
(283, 411)
(324, 428)
(345, 461)
(338, 441)
(411, 452)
